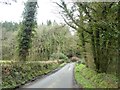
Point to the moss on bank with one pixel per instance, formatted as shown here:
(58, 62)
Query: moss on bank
(16, 74)
(88, 78)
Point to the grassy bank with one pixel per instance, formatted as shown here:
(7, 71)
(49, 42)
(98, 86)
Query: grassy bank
(88, 78)
(16, 73)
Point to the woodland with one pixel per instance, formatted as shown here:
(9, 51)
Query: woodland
(90, 32)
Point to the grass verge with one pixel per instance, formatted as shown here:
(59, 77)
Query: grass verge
(88, 78)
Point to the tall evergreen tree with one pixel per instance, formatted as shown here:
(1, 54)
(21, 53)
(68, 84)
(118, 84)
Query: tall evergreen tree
(27, 30)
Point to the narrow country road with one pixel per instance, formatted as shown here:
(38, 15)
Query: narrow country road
(63, 78)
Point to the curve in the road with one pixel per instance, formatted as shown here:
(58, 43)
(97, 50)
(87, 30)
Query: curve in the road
(63, 78)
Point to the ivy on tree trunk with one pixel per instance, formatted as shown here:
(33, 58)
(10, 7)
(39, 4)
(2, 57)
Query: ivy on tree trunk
(27, 30)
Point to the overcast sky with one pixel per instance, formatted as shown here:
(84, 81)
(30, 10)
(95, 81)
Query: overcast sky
(47, 11)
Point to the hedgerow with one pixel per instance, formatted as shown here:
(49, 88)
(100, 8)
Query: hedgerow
(16, 73)
(89, 78)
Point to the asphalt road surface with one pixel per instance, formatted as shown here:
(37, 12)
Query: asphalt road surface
(63, 78)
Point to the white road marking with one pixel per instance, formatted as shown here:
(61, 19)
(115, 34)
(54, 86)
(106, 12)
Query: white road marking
(69, 68)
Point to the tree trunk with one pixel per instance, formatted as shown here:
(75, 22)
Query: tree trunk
(84, 50)
(97, 50)
(93, 48)
(118, 69)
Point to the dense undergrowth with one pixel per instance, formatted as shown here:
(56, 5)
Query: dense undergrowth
(88, 78)
(16, 73)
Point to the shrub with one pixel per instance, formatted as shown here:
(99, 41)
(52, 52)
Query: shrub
(58, 56)
(74, 59)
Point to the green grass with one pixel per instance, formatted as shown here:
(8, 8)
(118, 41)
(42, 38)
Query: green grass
(80, 78)
(88, 78)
